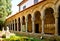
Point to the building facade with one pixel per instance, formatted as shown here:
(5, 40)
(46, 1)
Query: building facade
(41, 18)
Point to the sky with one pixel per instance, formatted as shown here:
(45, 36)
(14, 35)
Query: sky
(15, 8)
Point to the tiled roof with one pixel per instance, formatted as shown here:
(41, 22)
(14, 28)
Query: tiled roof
(22, 2)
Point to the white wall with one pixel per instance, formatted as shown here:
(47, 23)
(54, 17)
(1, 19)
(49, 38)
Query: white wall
(28, 4)
(40, 0)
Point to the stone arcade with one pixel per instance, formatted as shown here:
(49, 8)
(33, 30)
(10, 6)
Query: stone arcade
(42, 18)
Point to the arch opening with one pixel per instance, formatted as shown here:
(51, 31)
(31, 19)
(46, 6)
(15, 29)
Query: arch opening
(19, 25)
(15, 25)
(38, 22)
(49, 27)
(59, 20)
(29, 23)
(23, 24)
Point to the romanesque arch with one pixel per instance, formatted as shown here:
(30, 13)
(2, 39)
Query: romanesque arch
(11, 25)
(29, 23)
(15, 25)
(23, 24)
(49, 21)
(38, 22)
(59, 20)
(23, 20)
(58, 16)
(19, 24)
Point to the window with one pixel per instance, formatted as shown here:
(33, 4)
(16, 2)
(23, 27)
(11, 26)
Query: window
(19, 8)
(24, 7)
(35, 1)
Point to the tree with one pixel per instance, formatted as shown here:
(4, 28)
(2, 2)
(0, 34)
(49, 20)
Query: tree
(5, 10)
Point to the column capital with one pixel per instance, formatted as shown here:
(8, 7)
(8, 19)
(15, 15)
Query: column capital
(26, 19)
(42, 17)
(21, 21)
(56, 15)
(33, 18)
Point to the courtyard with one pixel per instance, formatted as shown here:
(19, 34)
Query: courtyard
(36, 20)
(7, 36)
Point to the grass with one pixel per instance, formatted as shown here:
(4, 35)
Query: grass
(32, 38)
(24, 38)
(20, 38)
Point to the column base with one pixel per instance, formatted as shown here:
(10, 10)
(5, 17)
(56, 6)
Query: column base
(56, 34)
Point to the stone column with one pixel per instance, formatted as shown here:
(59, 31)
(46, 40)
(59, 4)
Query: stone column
(17, 24)
(9, 26)
(56, 25)
(42, 26)
(33, 25)
(42, 18)
(14, 25)
(26, 21)
(21, 25)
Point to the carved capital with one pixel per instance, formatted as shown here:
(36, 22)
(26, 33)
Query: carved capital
(26, 19)
(33, 18)
(56, 15)
(42, 17)
(21, 21)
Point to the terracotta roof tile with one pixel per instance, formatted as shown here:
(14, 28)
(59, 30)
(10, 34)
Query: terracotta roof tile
(22, 2)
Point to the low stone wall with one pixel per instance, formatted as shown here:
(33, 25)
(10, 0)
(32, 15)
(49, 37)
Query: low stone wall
(35, 35)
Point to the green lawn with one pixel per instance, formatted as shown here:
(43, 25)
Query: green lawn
(21, 38)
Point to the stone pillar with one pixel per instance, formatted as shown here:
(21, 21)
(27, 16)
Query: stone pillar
(56, 25)
(26, 21)
(21, 25)
(33, 25)
(14, 25)
(42, 18)
(42, 26)
(9, 25)
(17, 24)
